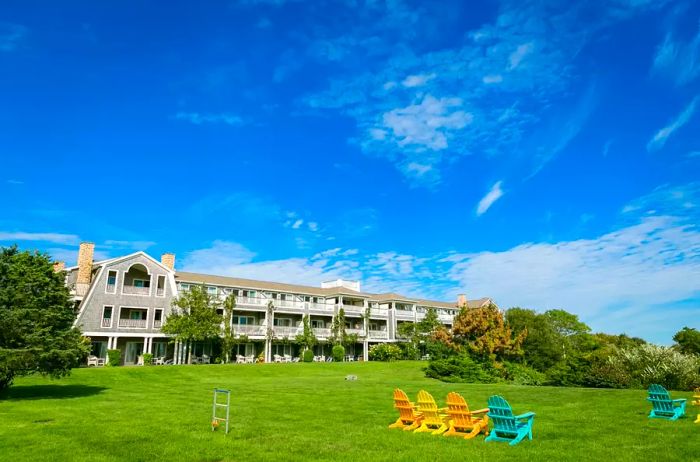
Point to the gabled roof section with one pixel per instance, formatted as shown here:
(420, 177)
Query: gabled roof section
(391, 297)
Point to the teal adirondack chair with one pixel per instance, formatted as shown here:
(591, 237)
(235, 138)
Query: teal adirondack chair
(662, 406)
(506, 426)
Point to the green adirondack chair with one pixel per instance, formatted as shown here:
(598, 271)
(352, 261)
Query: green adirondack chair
(662, 406)
(506, 426)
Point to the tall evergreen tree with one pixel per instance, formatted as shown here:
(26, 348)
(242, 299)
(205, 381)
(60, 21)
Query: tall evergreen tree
(36, 318)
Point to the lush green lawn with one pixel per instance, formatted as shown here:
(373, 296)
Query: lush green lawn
(309, 412)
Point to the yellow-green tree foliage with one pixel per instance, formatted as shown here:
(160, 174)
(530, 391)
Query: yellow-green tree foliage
(484, 333)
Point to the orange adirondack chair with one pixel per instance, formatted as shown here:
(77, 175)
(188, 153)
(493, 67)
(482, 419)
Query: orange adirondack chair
(463, 422)
(696, 401)
(434, 419)
(409, 417)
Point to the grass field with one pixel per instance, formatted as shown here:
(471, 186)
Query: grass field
(309, 412)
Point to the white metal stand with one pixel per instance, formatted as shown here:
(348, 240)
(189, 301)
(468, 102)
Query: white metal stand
(215, 419)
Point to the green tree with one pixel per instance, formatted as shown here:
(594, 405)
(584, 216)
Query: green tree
(307, 338)
(36, 318)
(688, 340)
(542, 346)
(194, 317)
(338, 336)
(228, 339)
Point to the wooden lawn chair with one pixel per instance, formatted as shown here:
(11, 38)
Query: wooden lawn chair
(434, 419)
(662, 406)
(463, 422)
(506, 426)
(409, 418)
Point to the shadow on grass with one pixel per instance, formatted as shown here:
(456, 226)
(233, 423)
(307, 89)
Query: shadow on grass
(27, 392)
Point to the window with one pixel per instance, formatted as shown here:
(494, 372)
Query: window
(111, 282)
(160, 286)
(157, 318)
(283, 322)
(142, 283)
(244, 320)
(107, 316)
(317, 324)
(211, 290)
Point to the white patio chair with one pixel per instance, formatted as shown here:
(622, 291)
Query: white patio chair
(205, 360)
(287, 358)
(92, 361)
(100, 362)
(240, 359)
(277, 358)
(250, 359)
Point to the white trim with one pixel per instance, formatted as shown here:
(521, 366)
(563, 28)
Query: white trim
(111, 319)
(165, 281)
(150, 281)
(126, 334)
(116, 281)
(86, 298)
(162, 317)
(121, 307)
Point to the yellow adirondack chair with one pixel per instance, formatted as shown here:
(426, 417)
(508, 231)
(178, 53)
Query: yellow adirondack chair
(409, 417)
(434, 419)
(696, 401)
(463, 422)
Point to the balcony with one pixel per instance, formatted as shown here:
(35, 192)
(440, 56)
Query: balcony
(379, 312)
(358, 332)
(283, 331)
(157, 324)
(319, 307)
(322, 332)
(248, 329)
(106, 322)
(160, 292)
(133, 290)
(403, 314)
(378, 334)
(111, 288)
(353, 308)
(257, 301)
(132, 323)
(288, 304)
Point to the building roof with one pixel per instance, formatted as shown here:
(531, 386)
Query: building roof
(265, 285)
(200, 278)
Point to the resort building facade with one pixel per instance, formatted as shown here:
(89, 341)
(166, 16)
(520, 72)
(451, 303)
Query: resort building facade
(121, 303)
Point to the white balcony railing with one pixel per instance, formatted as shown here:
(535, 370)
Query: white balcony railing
(283, 331)
(404, 314)
(358, 332)
(106, 322)
(319, 307)
(133, 290)
(248, 329)
(132, 323)
(157, 324)
(258, 301)
(352, 308)
(322, 332)
(160, 291)
(379, 334)
(111, 288)
(383, 312)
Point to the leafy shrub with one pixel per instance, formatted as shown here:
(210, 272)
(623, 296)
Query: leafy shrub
(647, 364)
(338, 353)
(114, 357)
(409, 351)
(147, 359)
(384, 352)
(308, 356)
(459, 369)
(520, 374)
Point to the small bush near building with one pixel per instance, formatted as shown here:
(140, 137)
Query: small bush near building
(384, 352)
(521, 374)
(114, 357)
(409, 351)
(147, 359)
(338, 353)
(308, 356)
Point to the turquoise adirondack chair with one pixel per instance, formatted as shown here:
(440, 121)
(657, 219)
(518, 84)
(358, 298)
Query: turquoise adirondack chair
(662, 406)
(506, 426)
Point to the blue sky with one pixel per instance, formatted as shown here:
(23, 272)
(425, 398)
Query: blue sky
(543, 154)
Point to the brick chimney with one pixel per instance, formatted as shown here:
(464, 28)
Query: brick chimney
(168, 259)
(59, 266)
(85, 254)
(461, 300)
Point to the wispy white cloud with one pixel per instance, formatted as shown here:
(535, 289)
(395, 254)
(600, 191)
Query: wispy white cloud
(659, 139)
(678, 59)
(198, 118)
(56, 238)
(492, 196)
(134, 245)
(606, 147)
(417, 80)
(11, 35)
(519, 54)
(15, 182)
